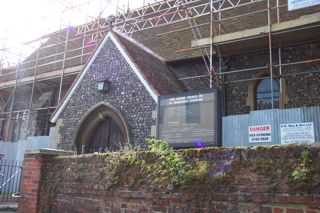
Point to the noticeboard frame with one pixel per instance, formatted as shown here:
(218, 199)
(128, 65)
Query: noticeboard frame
(216, 112)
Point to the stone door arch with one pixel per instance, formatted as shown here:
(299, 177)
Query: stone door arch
(103, 127)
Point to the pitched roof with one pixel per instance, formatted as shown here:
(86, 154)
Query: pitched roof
(151, 69)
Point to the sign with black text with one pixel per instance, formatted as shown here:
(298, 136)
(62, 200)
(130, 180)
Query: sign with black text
(260, 134)
(299, 4)
(190, 119)
(297, 133)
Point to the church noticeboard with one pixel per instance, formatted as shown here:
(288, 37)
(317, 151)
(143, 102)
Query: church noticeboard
(190, 119)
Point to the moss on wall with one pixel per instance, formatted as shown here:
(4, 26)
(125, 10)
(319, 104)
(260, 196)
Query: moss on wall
(258, 170)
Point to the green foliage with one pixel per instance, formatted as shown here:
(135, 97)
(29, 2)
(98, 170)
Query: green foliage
(171, 170)
(302, 171)
(305, 155)
(158, 146)
(202, 168)
(300, 174)
(130, 155)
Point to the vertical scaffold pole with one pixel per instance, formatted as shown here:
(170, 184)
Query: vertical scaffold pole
(270, 54)
(211, 44)
(281, 104)
(33, 87)
(63, 65)
(12, 100)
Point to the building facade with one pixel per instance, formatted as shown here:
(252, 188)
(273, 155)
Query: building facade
(263, 57)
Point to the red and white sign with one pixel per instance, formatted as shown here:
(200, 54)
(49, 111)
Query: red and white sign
(260, 134)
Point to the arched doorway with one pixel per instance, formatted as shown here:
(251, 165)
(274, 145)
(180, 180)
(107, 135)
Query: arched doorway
(103, 128)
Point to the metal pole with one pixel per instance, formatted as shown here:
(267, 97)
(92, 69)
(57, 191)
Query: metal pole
(63, 65)
(270, 54)
(278, 11)
(192, 49)
(219, 19)
(246, 79)
(245, 70)
(259, 78)
(211, 44)
(197, 34)
(12, 102)
(32, 89)
(298, 62)
(58, 43)
(83, 45)
(281, 102)
(280, 80)
(193, 77)
(256, 68)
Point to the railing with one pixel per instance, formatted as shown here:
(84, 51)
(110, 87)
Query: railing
(10, 172)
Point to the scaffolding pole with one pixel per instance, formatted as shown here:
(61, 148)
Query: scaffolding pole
(211, 44)
(33, 89)
(270, 53)
(63, 66)
(12, 103)
(255, 69)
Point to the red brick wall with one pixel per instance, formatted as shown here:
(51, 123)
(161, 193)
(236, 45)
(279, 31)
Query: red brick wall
(30, 183)
(257, 180)
(34, 166)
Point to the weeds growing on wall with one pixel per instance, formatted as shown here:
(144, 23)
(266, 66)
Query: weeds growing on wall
(163, 168)
(171, 170)
(302, 172)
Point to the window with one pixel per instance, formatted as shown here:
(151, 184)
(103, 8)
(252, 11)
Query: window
(264, 94)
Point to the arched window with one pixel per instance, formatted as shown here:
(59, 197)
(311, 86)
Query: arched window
(264, 94)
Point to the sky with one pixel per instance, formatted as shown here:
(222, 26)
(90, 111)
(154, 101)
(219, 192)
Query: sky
(22, 21)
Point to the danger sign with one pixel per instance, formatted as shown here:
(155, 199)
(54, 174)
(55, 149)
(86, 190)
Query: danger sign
(260, 134)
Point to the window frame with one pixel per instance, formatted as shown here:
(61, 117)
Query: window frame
(255, 91)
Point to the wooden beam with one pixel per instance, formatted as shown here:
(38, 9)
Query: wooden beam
(302, 21)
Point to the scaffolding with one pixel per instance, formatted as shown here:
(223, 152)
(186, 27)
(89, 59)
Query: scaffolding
(55, 64)
(45, 76)
(62, 54)
(166, 13)
(32, 90)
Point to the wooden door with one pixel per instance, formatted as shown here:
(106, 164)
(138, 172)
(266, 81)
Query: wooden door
(106, 137)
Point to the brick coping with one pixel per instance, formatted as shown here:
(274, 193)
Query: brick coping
(49, 151)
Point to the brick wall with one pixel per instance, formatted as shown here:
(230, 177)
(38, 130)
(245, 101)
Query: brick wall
(34, 165)
(127, 94)
(254, 180)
